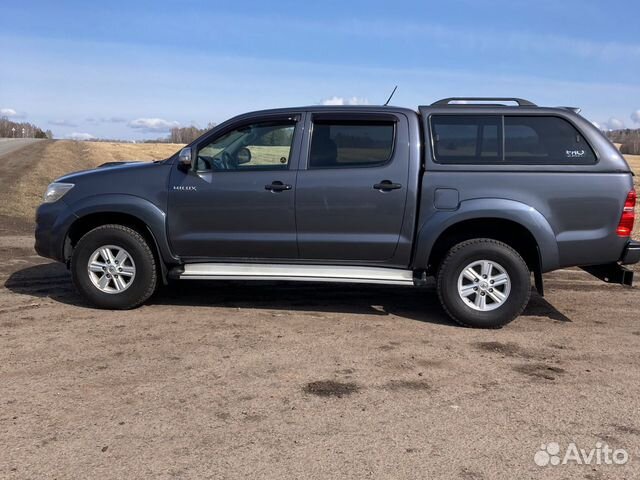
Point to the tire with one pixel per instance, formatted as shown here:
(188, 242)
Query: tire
(132, 275)
(473, 300)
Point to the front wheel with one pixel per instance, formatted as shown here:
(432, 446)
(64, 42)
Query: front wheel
(113, 267)
(483, 283)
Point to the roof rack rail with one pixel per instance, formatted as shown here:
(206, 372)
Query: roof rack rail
(448, 101)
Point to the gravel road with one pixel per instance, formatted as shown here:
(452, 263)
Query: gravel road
(8, 145)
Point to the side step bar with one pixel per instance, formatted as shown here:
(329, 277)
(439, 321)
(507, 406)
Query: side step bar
(305, 273)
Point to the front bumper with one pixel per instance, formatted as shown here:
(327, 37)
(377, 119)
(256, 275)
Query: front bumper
(51, 228)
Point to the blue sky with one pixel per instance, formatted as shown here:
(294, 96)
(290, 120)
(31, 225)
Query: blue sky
(131, 70)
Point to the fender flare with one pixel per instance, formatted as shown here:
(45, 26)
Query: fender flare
(145, 211)
(526, 216)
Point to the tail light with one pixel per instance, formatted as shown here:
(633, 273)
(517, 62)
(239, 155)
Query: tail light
(628, 216)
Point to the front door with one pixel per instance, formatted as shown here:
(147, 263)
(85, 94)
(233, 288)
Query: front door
(237, 201)
(351, 197)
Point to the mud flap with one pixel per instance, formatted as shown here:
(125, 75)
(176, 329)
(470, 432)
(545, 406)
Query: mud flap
(537, 275)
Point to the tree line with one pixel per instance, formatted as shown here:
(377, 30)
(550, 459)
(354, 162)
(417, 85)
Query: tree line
(628, 138)
(9, 129)
(187, 134)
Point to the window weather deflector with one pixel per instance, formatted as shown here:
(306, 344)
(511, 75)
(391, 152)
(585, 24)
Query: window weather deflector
(347, 116)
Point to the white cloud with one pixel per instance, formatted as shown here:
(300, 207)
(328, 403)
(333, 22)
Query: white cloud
(153, 124)
(106, 120)
(614, 124)
(635, 116)
(80, 136)
(344, 101)
(62, 123)
(10, 112)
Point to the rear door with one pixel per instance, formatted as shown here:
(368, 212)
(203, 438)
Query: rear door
(352, 188)
(238, 201)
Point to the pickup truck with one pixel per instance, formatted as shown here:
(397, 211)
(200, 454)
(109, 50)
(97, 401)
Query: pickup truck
(480, 194)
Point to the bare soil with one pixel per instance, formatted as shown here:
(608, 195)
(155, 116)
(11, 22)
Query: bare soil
(282, 380)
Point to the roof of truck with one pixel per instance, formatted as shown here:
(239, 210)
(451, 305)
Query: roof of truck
(483, 104)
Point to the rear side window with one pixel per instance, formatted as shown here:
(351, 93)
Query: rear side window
(467, 139)
(544, 141)
(343, 144)
(515, 140)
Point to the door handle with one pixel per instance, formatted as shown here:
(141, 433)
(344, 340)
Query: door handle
(386, 185)
(278, 186)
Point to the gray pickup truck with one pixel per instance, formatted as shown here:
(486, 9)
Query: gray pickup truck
(478, 193)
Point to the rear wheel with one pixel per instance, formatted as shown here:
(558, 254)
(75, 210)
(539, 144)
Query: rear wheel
(483, 283)
(113, 267)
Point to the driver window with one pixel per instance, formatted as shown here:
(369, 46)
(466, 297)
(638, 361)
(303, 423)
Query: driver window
(256, 146)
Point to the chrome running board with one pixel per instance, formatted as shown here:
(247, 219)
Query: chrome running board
(302, 273)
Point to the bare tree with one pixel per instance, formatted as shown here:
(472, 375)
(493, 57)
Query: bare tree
(10, 129)
(187, 134)
(628, 138)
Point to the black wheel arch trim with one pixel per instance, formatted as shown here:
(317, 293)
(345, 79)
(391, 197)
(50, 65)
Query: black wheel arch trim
(131, 206)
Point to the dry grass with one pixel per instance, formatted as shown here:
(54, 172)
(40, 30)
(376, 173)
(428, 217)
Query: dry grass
(45, 161)
(634, 163)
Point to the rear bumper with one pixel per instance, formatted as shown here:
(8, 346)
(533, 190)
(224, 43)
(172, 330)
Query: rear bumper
(616, 272)
(631, 253)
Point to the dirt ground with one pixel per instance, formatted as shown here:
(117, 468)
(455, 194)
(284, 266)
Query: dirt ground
(281, 380)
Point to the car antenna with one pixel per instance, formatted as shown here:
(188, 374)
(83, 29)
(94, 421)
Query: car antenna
(389, 99)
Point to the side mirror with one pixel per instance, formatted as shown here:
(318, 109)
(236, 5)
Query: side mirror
(243, 156)
(184, 158)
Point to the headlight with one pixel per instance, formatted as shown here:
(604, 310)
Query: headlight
(56, 191)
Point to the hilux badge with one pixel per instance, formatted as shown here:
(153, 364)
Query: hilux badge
(185, 188)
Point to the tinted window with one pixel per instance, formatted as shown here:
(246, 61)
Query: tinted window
(350, 144)
(257, 146)
(466, 139)
(544, 140)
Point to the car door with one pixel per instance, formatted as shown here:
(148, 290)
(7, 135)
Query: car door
(352, 192)
(237, 200)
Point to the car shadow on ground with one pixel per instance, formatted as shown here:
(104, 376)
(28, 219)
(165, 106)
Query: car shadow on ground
(52, 280)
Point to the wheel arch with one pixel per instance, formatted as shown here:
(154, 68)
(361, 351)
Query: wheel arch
(127, 210)
(516, 224)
